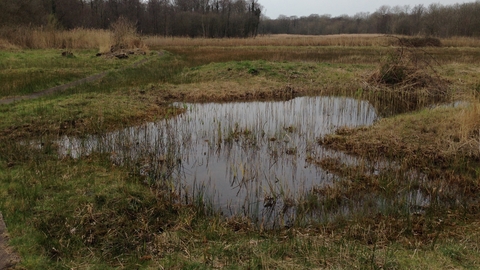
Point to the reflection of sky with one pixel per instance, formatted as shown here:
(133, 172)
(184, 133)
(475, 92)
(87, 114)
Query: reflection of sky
(237, 153)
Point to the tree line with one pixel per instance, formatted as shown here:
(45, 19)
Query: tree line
(238, 18)
(435, 20)
(193, 18)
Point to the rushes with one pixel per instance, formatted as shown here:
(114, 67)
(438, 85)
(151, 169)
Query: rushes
(344, 40)
(226, 154)
(43, 38)
(469, 132)
(80, 38)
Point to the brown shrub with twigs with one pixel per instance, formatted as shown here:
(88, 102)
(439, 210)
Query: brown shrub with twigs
(409, 70)
(408, 78)
(125, 35)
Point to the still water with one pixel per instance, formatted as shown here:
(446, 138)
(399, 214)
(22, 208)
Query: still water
(238, 157)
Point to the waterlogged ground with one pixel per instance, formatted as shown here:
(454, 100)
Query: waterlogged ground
(239, 157)
(420, 210)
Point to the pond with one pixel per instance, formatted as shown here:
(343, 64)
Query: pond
(239, 158)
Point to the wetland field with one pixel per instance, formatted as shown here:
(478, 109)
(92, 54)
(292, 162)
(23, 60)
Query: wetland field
(278, 152)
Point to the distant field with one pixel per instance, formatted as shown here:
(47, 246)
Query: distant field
(299, 40)
(101, 40)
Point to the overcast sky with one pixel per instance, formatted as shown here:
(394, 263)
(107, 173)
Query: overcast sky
(274, 8)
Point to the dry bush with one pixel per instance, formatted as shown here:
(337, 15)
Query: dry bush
(405, 81)
(125, 35)
(408, 69)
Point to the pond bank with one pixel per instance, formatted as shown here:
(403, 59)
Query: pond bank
(8, 258)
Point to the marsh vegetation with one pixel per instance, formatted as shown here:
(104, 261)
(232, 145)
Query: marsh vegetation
(275, 154)
(244, 159)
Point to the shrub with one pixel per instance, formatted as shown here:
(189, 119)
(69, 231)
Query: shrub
(408, 68)
(125, 35)
(408, 77)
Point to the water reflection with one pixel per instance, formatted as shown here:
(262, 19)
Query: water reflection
(244, 157)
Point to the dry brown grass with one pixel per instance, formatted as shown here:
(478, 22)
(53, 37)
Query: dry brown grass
(273, 40)
(469, 131)
(122, 35)
(437, 137)
(347, 40)
(6, 45)
(461, 42)
(199, 55)
(44, 38)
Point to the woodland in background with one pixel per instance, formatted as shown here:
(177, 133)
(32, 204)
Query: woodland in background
(234, 18)
(193, 18)
(435, 20)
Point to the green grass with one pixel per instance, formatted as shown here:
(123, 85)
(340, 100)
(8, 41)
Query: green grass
(30, 71)
(94, 106)
(142, 88)
(68, 209)
(307, 74)
(89, 213)
(92, 213)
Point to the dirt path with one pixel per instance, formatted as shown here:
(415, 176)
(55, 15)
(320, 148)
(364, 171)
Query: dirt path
(68, 85)
(8, 258)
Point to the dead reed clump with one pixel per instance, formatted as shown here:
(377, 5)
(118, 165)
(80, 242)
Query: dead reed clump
(45, 38)
(408, 76)
(125, 35)
(6, 45)
(407, 70)
(469, 131)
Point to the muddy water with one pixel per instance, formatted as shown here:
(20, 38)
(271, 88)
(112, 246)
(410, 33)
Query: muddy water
(238, 157)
